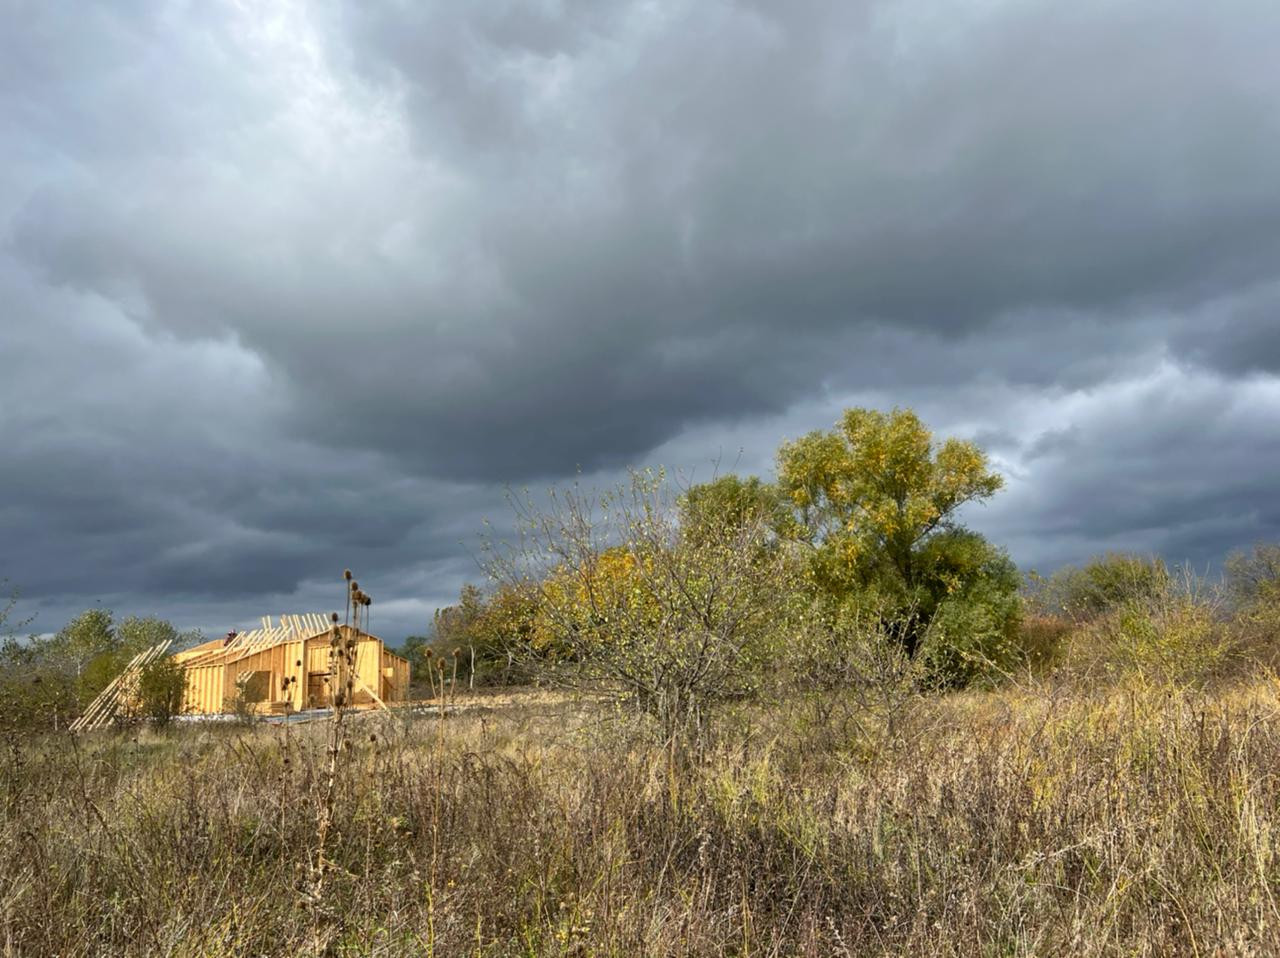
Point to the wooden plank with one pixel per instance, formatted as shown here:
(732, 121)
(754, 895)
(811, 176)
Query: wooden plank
(152, 655)
(112, 702)
(372, 693)
(107, 695)
(102, 696)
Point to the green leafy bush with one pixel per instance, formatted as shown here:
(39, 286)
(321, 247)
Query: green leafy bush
(1253, 577)
(1176, 635)
(161, 688)
(973, 629)
(1082, 593)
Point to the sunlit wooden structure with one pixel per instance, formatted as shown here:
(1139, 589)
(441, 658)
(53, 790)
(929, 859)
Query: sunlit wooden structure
(285, 666)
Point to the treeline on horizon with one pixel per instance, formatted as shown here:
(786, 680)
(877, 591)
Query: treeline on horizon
(851, 571)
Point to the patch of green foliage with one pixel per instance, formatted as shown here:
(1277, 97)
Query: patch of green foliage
(45, 680)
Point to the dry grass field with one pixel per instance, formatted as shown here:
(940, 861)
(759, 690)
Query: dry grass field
(1132, 819)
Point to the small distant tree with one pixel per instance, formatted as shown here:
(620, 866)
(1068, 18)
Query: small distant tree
(87, 648)
(457, 627)
(414, 648)
(1253, 577)
(1083, 593)
(137, 634)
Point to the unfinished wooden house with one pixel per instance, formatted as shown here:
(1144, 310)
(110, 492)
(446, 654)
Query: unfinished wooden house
(285, 667)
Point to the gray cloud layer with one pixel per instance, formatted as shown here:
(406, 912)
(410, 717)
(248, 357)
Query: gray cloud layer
(302, 286)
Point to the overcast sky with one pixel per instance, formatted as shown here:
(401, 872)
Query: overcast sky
(288, 287)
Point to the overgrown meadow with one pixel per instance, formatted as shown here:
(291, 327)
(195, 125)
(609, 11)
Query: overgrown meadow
(1133, 819)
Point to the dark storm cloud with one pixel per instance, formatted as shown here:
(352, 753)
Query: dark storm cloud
(1171, 464)
(300, 286)
(1237, 335)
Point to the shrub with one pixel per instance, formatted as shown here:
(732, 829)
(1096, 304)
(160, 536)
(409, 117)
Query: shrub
(35, 698)
(1083, 593)
(1043, 639)
(670, 617)
(162, 685)
(852, 674)
(1253, 577)
(973, 635)
(1175, 635)
(240, 703)
(972, 628)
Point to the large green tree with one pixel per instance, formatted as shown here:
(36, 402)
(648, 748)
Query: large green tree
(876, 499)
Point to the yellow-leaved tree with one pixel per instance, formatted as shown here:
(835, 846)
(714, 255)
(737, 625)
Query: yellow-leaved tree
(876, 499)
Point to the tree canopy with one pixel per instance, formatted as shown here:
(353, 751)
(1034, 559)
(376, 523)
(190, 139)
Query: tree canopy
(876, 499)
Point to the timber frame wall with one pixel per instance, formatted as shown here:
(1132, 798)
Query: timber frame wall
(297, 648)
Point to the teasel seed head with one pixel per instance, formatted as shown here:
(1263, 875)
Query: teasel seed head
(346, 574)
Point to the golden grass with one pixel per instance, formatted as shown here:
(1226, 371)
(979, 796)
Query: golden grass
(1123, 820)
